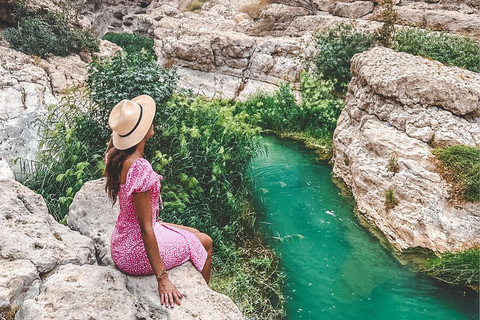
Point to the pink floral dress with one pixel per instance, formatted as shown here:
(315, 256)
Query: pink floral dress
(176, 246)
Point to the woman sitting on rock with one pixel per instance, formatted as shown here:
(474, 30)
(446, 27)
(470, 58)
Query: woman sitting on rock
(140, 245)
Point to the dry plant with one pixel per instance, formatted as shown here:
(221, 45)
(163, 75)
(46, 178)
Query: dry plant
(254, 9)
(306, 4)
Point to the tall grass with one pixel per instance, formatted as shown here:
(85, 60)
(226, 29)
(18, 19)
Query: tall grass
(459, 268)
(460, 165)
(70, 152)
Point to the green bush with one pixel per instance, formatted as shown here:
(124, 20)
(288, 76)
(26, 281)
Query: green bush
(449, 49)
(125, 76)
(461, 166)
(336, 46)
(276, 111)
(319, 108)
(316, 115)
(132, 42)
(460, 268)
(47, 33)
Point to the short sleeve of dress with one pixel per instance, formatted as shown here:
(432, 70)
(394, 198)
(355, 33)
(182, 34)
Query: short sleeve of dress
(140, 177)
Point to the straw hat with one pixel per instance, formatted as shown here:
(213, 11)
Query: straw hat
(130, 121)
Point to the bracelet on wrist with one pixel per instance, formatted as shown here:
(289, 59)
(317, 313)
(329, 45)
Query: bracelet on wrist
(159, 277)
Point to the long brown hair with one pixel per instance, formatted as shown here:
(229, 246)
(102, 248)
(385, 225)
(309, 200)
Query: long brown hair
(113, 169)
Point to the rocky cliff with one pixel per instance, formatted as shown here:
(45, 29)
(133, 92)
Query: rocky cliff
(399, 104)
(49, 271)
(233, 48)
(226, 50)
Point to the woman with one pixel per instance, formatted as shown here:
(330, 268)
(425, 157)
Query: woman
(140, 245)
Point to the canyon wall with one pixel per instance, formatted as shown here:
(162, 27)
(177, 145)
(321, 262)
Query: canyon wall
(401, 105)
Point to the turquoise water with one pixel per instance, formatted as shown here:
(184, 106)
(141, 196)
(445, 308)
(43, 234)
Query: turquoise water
(338, 270)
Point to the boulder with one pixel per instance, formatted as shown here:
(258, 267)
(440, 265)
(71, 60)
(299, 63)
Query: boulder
(197, 302)
(29, 232)
(92, 214)
(5, 171)
(79, 292)
(354, 9)
(399, 105)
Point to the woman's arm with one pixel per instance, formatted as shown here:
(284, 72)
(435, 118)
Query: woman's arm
(168, 292)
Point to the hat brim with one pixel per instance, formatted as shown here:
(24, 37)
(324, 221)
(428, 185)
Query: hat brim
(148, 105)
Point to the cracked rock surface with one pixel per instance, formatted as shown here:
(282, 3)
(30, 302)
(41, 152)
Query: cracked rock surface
(399, 104)
(49, 271)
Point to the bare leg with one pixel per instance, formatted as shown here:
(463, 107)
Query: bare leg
(207, 244)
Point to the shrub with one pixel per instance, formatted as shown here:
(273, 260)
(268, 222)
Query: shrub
(336, 47)
(449, 49)
(460, 166)
(316, 116)
(125, 76)
(460, 268)
(386, 33)
(319, 109)
(390, 200)
(277, 111)
(50, 33)
(195, 5)
(132, 42)
(254, 9)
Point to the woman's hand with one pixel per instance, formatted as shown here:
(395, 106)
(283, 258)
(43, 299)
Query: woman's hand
(168, 292)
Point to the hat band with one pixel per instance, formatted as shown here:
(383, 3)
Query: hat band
(138, 122)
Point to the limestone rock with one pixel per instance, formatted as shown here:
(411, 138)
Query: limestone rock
(223, 48)
(354, 9)
(28, 231)
(197, 296)
(397, 105)
(15, 278)
(76, 292)
(416, 80)
(5, 171)
(71, 71)
(24, 90)
(92, 214)
(50, 271)
(455, 19)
